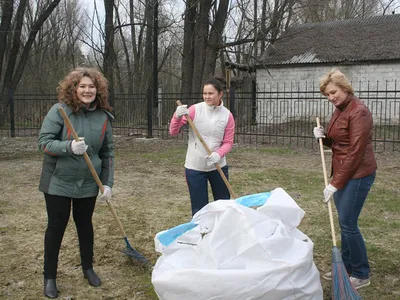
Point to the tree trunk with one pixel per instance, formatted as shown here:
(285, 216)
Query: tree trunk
(200, 44)
(13, 55)
(32, 35)
(188, 51)
(108, 56)
(215, 39)
(148, 50)
(11, 78)
(7, 9)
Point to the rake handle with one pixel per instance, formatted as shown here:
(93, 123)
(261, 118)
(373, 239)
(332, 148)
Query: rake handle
(190, 121)
(91, 168)
(321, 148)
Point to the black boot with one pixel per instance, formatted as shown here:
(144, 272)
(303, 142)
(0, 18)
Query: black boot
(92, 277)
(50, 288)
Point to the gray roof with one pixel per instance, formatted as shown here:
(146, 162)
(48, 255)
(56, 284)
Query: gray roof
(356, 40)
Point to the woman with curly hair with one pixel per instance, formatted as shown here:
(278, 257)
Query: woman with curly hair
(66, 180)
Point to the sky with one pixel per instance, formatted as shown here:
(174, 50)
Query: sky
(88, 6)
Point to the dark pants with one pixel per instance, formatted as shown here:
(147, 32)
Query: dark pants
(349, 202)
(58, 212)
(198, 187)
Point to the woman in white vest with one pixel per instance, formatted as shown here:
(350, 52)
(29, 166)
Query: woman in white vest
(217, 127)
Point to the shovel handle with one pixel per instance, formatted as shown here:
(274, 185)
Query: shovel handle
(91, 168)
(190, 121)
(321, 148)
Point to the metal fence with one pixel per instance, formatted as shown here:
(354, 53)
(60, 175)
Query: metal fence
(277, 115)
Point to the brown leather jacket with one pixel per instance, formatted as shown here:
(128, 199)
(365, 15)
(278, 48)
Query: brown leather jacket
(350, 137)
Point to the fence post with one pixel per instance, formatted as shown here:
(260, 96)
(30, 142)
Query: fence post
(149, 113)
(253, 103)
(12, 114)
(232, 95)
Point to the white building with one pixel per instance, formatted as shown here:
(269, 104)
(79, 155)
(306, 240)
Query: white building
(366, 50)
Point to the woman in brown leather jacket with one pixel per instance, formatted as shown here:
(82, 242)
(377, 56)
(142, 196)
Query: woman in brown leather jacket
(349, 135)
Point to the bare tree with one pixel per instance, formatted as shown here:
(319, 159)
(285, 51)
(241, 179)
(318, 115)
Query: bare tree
(109, 56)
(202, 40)
(311, 11)
(16, 63)
(56, 50)
(7, 9)
(389, 6)
(188, 52)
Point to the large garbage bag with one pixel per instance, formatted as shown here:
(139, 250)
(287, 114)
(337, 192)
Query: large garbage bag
(232, 251)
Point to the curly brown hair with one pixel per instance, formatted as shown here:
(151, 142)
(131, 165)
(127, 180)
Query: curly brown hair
(67, 88)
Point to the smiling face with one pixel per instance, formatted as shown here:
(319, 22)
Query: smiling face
(211, 95)
(86, 90)
(335, 94)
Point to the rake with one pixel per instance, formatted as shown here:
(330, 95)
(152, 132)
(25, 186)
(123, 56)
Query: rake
(342, 289)
(129, 250)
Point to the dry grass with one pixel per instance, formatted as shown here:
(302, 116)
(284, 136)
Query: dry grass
(150, 195)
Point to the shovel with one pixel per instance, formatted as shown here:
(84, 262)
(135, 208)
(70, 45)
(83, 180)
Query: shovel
(129, 250)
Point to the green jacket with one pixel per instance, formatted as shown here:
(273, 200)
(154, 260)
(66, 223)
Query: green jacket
(67, 174)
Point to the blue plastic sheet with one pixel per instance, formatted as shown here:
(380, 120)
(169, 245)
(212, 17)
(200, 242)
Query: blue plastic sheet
(254, 199)
(172, 234)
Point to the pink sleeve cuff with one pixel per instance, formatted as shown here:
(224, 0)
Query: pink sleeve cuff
(227, 142)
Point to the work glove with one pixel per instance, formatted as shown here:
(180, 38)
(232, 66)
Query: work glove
(181, 110)
(328, 192)
(319, 132)
(213, 158)
(78, 148)
(106, 196)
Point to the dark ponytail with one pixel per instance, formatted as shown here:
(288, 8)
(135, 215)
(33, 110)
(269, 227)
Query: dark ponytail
(217, 82)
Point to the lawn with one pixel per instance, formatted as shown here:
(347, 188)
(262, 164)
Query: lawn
(150, 195)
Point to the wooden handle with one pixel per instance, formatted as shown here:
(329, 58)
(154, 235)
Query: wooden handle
(91, 168)
(321, 148)
(190, 121)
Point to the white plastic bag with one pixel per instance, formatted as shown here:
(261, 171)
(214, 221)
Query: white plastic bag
(236, 252)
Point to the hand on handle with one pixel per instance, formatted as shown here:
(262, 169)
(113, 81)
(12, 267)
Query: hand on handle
(106, 196)
(78, 148)
(328, 192)
(213, 158)
(181, 111)
(319, 132)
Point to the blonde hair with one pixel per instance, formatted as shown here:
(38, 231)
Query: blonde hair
(67, 88)
(337, 78)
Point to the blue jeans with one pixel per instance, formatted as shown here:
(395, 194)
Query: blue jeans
(197, 182)
(349, 202)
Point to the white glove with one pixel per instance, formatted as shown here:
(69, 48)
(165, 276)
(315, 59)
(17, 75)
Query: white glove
(213, 158)
(78, 148)
(106, 196)
(328, 192)
(181, 110)
(319, 132)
